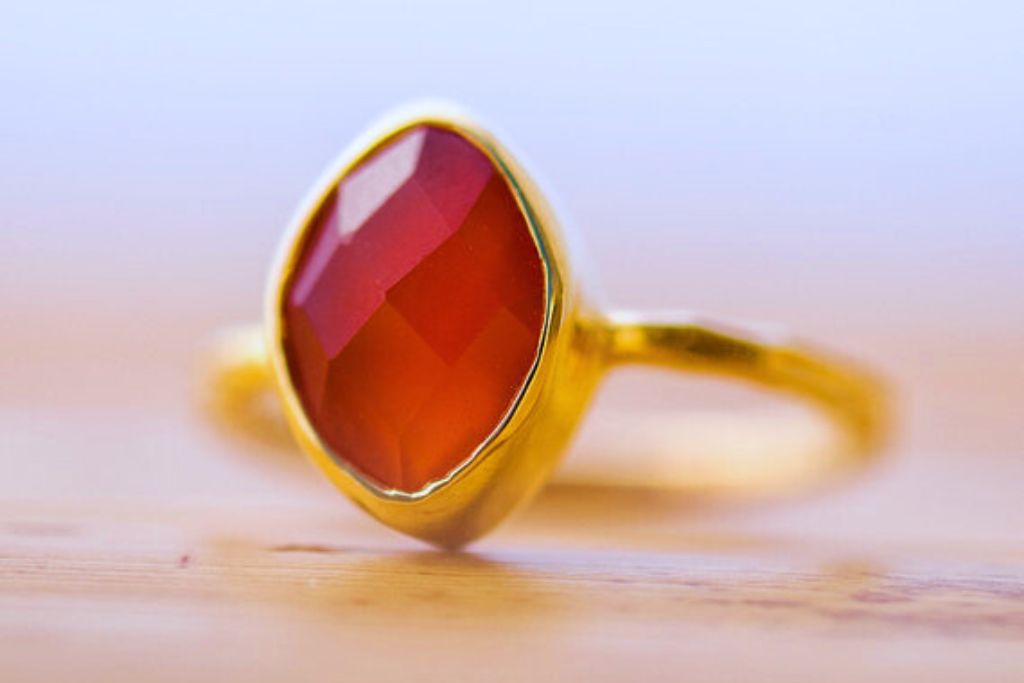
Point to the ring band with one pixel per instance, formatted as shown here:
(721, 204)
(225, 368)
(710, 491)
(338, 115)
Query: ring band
(440, 399)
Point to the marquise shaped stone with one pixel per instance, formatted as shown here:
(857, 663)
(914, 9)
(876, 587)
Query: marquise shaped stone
(414, 312)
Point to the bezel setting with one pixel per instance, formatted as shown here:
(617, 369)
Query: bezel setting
(519, 453)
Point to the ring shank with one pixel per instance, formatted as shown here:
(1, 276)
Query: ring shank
(240, 384)
(847, 394)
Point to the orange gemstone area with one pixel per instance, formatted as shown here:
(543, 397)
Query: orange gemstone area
(414, 313)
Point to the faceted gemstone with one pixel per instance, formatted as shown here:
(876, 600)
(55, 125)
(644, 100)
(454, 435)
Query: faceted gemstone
(415, 311)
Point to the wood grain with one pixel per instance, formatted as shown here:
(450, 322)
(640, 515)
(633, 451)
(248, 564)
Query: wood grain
(588, 584)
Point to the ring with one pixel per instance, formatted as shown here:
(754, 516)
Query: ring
(433, 353)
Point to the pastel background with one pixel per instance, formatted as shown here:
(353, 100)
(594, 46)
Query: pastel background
(852, 169)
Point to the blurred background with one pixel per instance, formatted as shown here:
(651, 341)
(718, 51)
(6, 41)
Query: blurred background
(851, 169)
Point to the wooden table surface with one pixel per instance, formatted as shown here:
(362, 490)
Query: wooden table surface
(138, 542)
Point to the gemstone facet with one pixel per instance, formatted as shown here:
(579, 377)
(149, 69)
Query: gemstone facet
(414, 313)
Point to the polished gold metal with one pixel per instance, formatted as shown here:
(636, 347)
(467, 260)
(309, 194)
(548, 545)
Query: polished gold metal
(578, 345)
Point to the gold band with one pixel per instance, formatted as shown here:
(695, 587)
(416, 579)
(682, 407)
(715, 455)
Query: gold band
(241, 382)
(850, 396)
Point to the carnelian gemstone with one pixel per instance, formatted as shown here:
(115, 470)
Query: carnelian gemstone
(414, 313)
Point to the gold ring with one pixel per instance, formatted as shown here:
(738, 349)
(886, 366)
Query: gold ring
(433, 353)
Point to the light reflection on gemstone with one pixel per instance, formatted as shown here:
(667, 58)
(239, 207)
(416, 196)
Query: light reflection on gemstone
(367, 188)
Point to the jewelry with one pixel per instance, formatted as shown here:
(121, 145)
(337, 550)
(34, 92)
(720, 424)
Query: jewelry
(432, 351)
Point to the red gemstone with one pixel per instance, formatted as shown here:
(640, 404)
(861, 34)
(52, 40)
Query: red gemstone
(415, 311)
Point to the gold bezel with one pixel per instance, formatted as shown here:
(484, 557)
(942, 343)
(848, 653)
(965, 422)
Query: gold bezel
(516, 458)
